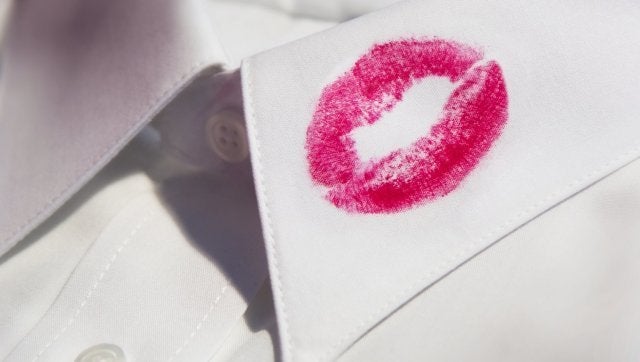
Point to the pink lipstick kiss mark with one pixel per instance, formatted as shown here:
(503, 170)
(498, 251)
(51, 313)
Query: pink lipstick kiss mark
(434, 165)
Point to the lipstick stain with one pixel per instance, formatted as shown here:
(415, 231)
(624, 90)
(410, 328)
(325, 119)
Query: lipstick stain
(436, 163)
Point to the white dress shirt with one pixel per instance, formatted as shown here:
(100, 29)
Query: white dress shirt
(269, 180)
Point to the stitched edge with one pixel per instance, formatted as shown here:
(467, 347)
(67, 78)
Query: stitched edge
(95, 285)
(256, 157)
(495, 234)
(510, 224)
(199, 325)
(102, 158)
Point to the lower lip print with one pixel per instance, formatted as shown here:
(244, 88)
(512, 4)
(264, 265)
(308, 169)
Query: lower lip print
(434, 165)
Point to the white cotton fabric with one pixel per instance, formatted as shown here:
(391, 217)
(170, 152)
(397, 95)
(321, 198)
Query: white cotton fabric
(79, 80)
(166, 274)
(162, 252)
(335, 10)
(33, 273)
(244, 29)
(561, 288)
(572, 120)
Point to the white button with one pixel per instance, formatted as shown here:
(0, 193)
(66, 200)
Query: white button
(227, 136)
(102, 353)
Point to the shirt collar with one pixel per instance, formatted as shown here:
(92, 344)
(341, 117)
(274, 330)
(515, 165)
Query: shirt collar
(339, 266)
(335, 273)
(78, 86)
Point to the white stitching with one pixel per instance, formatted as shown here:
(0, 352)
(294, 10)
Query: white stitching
(503, 228)
(104, 154)
(408, 292)
(287, 347)
(197, 329)
(104, 272)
